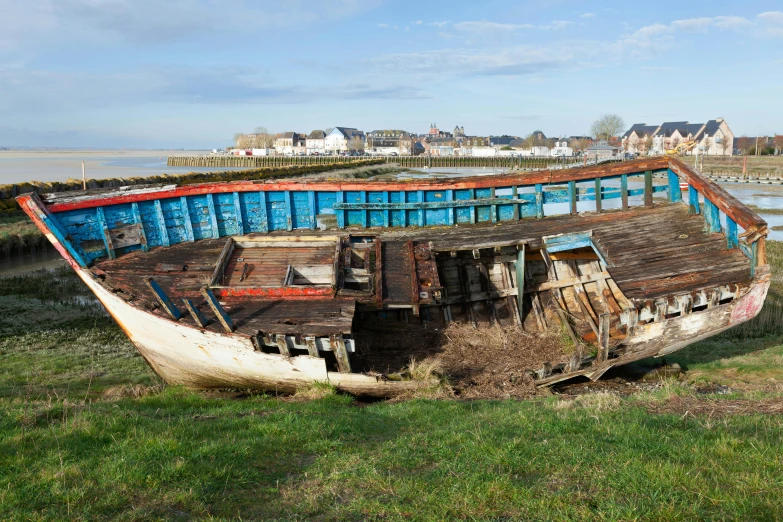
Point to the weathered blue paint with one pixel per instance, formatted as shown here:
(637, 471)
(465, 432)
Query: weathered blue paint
(138, 221)
(183, 203)
(420, 211)
(221, 314)
(711, 217)
(386, 213)
(238, 211)
(648, 189)
(539, 201)
(572, 195)
(450, 217)
(434, 204)
(693, 200)
(105, 229)
(164, 300)
(363, 196)
(675, 192)
(212, 216)
(732, 235)
(161, 224)
(493, 208)
(568, 242)
(262, 215)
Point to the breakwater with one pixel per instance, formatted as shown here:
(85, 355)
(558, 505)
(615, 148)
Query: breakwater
(403, 161)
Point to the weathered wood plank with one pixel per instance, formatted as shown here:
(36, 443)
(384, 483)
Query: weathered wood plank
(198, 317)
(164, 300)
(217, 308)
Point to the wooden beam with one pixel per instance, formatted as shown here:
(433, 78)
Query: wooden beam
(311, 208)
(161, 222)
(572, 195)
(289, 209)
(603, 338)
(520, 279)
(539, 200)
(212, 216)
(164, 300)
(282, 345)
(341, 353)
(648, 189)
(198, 317)
(138, 221)
(732, 236)
(675, 192)
(238, 211)
(624, 190)
(183, 204)
(262, 214)
(312, 348)
(598, 202)
(220, 266)
(105, 231)
(221, 314)
(693, 201)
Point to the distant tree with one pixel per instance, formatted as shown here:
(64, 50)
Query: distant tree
(607, 126)
(647, 143)
(242, 141)
(263, 139)
(674, 143)
(506, 148)
(724, 144)
(356, 144)
(707, 145)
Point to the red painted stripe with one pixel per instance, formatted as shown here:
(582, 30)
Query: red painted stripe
(476, 182)
(287, 292)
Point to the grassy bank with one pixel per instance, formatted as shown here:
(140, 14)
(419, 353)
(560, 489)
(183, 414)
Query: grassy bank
(757, 166)
(88, 432)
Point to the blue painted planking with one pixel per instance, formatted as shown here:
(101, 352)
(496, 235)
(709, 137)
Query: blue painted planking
(483, 213)
(221, 314)
(693, 200)
(364, 213)
(300, 211)
(277, 211)
(289, 209)
(354, 217)
(225, 214)
(238, 212)
(386, 213)
(732, 235)
(675, 192)
(186, 220)
(463, 214)
(175, 225)
(397, 216)
(137, 220)
(450, 211)
(200, 216)
(438, 215)
(493, 209)
(572, 196)
(160, 221)
(324, 202)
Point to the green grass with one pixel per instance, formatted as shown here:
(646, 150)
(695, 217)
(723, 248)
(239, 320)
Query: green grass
(773, 211)
(75, 444)
(17, 231)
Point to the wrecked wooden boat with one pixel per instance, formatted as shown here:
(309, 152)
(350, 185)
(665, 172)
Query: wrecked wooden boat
(263, 284)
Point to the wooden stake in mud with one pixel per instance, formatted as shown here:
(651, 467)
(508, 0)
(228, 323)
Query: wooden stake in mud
(84, 179)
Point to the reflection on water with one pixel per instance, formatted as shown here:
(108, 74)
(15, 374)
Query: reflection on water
(43, 258)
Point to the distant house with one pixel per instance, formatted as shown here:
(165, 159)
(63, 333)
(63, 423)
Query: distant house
(459, 132)
(713, 138)
(778, 145)
(561, 149)
(442, 146)
(501, 141)
(343, 139)
(287, 142)
(389, 142)
(315, 142)
(602, 150)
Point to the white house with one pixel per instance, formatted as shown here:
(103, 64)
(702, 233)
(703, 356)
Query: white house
(540, 151)
(343, 139)
(315, 142)
(561, 149)
(287, 143)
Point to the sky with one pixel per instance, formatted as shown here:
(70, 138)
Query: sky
(191, 73)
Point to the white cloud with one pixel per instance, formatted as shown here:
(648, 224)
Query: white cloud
(484, 26)
(440, 24)
(557, 25)
(418, 22)
(587, 15)
(771, 23)
(383, 25)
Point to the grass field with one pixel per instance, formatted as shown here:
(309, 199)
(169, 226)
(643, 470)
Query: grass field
(757, 166)
(88, 432)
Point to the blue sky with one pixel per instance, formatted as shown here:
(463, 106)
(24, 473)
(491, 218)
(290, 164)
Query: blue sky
(191, 73)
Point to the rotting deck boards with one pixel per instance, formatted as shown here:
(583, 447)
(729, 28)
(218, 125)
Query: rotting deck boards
(651, 253)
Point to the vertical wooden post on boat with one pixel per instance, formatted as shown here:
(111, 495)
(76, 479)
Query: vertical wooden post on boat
(520, 277)
(183, 204)
(603, 336)
(414, 279)
(262, 214)
(539, 201)
(282, 345)
(341, 353)
(711, 217)
(365, 212)
(198, 317)
(450, 210)
(572, 195)
(420, 199)
(732, 237)
(212, 216)
(493, 209)
(693, 201)
(164, 300)
(472, 208)
(386, 213)
(221, 314)
(515, 196)
(340, 198)
(289, 211)
(675, 192)
(624, 190)
(598, 202)
(161, 221)
(312, 348)
(84, 178)
(105, 231)
(311, 209)
(238, 211)
(137, 220)
(648, 189)
(403, 211)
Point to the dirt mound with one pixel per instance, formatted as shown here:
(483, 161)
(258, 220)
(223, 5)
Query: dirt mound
(698, 406)
(484, 362)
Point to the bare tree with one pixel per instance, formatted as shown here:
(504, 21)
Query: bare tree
(647, 143)
(355, 144)
(707, 145)
(263, 139)
(724, 144)
(577, 145)
(607, 126)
